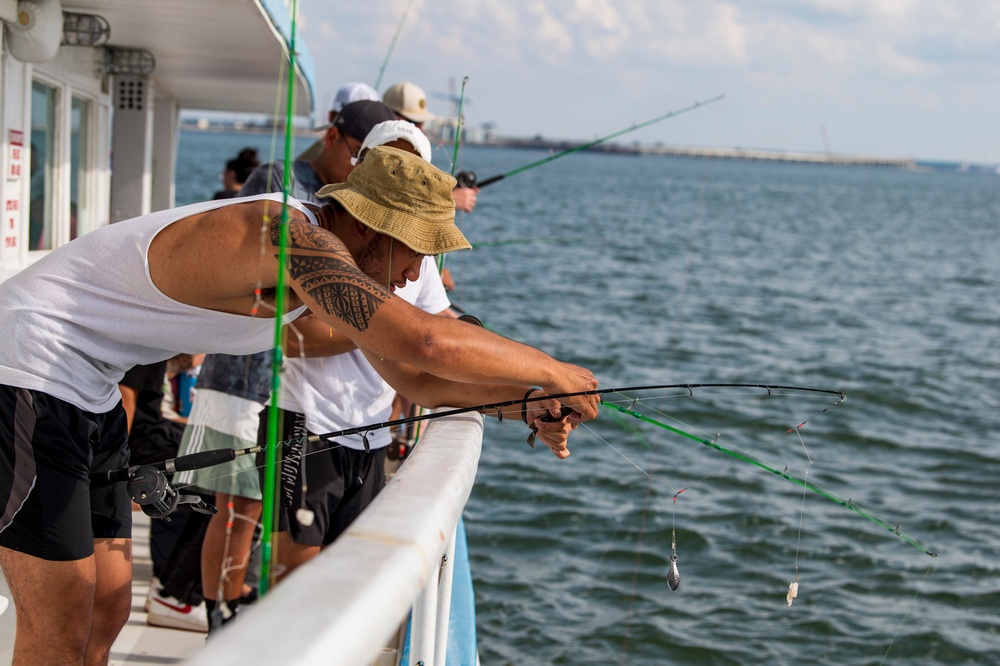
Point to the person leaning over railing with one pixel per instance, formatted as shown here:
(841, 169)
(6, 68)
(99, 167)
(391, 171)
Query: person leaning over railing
(141, 290)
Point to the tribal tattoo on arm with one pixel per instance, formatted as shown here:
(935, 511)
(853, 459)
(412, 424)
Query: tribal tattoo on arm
(331, 278)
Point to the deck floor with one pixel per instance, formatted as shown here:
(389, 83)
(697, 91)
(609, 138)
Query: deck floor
(138, 642)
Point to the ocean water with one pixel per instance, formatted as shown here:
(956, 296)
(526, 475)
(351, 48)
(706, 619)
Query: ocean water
(880, 284)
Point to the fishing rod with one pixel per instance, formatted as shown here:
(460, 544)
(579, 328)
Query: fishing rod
(497, 406)
(468, 178)
(439, 260)
(392, 44)
(214, 457)
(268, 509)
(458, 126)
(159, 503)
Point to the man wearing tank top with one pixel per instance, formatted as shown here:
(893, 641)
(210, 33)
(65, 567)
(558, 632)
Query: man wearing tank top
(234, 388)
(204, 276)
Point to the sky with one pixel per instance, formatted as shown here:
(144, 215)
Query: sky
(915, 78)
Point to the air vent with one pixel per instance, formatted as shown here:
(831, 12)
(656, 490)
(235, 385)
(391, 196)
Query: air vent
(130, 94)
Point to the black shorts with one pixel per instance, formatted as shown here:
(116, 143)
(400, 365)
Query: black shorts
(340, 482)
(48, 449)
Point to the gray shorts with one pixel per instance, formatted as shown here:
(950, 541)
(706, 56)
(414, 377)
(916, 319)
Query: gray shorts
(222, 421)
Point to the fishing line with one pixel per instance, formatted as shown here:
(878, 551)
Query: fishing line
(786, 474)
(673, 574)
(793, 587)
(906, 615)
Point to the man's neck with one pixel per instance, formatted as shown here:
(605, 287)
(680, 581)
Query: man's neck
(327, 218)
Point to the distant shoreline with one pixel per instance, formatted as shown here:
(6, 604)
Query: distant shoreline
(660, 149)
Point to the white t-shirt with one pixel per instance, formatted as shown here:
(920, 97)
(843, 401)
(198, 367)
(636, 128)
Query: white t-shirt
(344, 391)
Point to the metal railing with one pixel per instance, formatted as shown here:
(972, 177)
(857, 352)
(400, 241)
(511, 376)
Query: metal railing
(344, 606)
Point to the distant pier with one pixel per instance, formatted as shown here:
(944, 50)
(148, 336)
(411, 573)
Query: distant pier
(749, 154)
(780, 156)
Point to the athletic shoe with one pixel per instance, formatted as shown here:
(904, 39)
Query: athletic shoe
(154, 587)
(170, 612)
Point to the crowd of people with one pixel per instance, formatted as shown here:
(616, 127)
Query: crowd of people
(102, 328)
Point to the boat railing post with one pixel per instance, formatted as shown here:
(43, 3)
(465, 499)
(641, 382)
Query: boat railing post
(444, 601)
(422, 622)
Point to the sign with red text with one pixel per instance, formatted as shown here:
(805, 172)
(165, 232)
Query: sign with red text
(11, 221)
(15, 168)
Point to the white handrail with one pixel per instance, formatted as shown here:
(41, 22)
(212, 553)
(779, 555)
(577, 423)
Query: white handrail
(343, 606)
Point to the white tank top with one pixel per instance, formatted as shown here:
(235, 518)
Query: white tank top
(72, 323)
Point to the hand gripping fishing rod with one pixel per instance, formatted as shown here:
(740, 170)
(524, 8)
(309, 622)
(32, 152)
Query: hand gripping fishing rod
(468, 178)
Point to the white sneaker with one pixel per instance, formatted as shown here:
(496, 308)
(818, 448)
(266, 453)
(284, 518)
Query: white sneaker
(174, 613)
(154, 587)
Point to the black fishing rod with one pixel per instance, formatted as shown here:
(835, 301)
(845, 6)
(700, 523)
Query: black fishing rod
(468, 178)
(148, 485)
(362, 430)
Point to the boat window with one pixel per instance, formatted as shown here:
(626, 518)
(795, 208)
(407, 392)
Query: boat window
(43, 135)
(80, 212)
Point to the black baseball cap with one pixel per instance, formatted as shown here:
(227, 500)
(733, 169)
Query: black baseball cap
(355, 120)
(358, 118)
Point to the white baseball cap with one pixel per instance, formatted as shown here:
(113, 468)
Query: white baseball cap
(393, 130)
(353, 92)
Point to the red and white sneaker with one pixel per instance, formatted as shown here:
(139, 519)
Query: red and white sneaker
(170, 612)
(154, 587)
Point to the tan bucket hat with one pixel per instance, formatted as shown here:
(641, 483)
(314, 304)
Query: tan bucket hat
(401, 195)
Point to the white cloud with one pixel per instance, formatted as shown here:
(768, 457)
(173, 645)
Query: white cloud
(534, 65)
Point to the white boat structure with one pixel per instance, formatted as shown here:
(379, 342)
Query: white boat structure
(90, 99)
(90, 131)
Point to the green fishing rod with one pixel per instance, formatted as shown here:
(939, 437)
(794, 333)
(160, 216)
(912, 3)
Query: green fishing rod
(458, 126)
(785, 474)
(454, 158)
(468, 178)
(273, 416)
(392, 44)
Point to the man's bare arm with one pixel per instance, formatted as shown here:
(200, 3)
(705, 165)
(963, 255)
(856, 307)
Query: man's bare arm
(309, 337)
(326, 278)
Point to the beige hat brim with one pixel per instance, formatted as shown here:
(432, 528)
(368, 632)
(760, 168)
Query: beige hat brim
(416, 116)
(426, 235)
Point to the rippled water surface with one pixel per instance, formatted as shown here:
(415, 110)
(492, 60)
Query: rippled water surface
(880, 284)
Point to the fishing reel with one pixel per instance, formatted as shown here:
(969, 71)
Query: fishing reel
(149, 488)
(466, 178)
